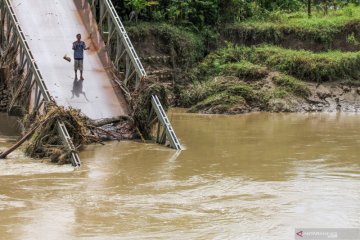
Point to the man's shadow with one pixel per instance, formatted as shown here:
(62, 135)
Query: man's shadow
(78, 89)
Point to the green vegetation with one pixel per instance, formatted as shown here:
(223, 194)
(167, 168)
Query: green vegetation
(284, 28)
(292, 85)
(319, 67)
(238, 73)
(351, 39)
(238, 56)
(305, 65)
(232, 97)
(201, 13)
(202, 91)
(218, 65)
(222, 95)
(186, 47)
(245, 70)
(220, 103)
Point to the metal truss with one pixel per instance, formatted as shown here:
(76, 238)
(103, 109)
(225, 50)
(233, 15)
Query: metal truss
(125, 59)
(168, 131)
(12, 37)
(119, 47)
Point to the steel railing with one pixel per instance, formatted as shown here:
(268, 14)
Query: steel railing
(12, 36)
(124, 57)
(119, 46)
(168, 130)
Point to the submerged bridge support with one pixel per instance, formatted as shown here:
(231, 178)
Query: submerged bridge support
(38, 84)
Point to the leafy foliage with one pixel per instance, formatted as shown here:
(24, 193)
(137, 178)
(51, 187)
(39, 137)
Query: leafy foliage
(255, 75)
(199, 13)
(185, 46)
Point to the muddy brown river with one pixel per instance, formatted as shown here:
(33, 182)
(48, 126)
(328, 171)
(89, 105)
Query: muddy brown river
(255, 176)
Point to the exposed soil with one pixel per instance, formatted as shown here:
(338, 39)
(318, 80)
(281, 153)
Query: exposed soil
(334, 96)
(327, 97)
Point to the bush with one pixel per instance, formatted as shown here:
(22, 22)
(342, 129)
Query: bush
(351, 39)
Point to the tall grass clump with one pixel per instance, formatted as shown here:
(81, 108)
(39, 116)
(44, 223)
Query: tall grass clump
(292, 85)
(304, 65)
(319, 29)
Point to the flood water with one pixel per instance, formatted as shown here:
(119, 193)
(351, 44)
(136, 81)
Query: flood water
(255, 176)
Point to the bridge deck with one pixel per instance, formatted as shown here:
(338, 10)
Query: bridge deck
(50, 28)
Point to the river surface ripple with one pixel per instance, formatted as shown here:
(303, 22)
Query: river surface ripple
(254, 176)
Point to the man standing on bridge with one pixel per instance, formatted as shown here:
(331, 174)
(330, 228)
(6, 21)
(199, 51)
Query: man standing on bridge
(79, 47)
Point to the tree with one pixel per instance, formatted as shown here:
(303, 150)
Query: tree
(136, 5)
(139, 5)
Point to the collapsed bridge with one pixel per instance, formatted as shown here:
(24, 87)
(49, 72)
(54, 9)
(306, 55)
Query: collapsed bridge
(42, 32)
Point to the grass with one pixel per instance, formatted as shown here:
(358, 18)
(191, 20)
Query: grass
(197, 92)
(239, 77)
(219, 103)
(214, 65)
(185, 46)
(244, 70)
(228, 96)
(279, 93)
(200, 91)
(306, 65)
(301, 64)
(290, 84)
(234, 76)
(279, 25)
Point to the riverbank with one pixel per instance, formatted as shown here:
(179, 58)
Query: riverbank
(239, 79)
(281, 63)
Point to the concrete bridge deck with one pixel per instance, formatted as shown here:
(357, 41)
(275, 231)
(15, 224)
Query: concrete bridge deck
(50, 27)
